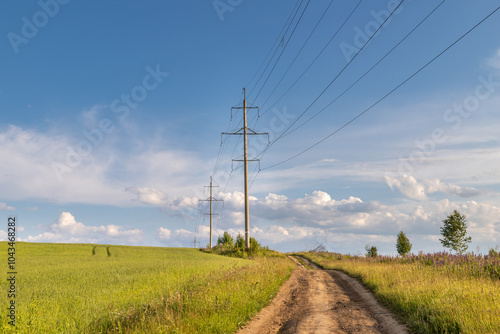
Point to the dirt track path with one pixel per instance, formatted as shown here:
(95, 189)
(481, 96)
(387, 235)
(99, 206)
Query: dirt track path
(323, 301)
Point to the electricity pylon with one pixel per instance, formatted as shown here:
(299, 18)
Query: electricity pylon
(245, 131)
(211, 199)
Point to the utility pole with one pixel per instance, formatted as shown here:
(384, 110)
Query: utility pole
(194, 242)
(245, 131)
(211, 199)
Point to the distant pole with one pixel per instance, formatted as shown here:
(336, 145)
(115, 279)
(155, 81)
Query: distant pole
(211, 199)
(245, 131)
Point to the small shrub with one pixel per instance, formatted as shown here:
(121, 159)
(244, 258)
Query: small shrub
(240, 242)
(226, 240)
(403, 245)
(371, 251)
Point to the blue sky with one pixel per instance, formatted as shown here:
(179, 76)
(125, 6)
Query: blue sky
(112, 113)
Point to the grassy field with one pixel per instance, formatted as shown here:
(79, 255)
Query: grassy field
(433, 293)
(77, 288)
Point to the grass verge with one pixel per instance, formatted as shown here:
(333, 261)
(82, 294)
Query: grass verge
(429, 298)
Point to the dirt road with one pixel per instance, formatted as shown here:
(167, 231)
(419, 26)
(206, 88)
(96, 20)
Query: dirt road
(323, 301)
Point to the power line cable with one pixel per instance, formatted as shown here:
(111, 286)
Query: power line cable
(283, 50)
(221, 148)
(367, 72)
(275, 51)
(336, 77)
(317, 56)
(298, 53)
(275, 42)
(389, 93)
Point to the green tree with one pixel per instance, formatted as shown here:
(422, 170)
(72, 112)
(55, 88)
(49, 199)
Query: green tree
(254, 244)
(226, 240)
(403, 244)
(454, 232)
(371, 251)
(240, 242)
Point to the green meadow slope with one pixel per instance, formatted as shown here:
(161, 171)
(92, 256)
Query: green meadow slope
(82, 288)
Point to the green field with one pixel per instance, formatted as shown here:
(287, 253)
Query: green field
(81, 288)
(432, 293)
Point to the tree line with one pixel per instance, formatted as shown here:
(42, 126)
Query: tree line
(454, 232)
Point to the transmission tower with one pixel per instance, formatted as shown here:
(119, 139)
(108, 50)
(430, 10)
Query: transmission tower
(245, 131)
(211, 199)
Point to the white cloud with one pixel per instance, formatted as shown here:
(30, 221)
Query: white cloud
(183, 234)
(5, 207)
(67, 229)
(411, 188)
(163, 233)
(98, 177)
(181, 206)
(436, 185)
(277, 220)
(177, 238)
(408, 186)
(148, 195)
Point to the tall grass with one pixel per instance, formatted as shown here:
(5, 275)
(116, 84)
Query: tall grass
(119, 289)
(433, 293)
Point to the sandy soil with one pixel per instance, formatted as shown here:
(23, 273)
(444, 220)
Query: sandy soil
(323, 301)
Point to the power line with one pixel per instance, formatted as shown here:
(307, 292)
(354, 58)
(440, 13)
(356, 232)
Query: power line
(389, 93)
(253, 177)
(275, 42)
(283, 50)
(245, 131)
(317, 56)
(298, 53)
(367, 72)
(221, 148)
(277, 48)
(337, 76)
(211, 199)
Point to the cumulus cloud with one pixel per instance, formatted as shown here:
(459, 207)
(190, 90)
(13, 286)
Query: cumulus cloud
(148, 195)
(181, 206)
(340, 224)
(436, 185)
(44, 165)
(67, 230)
(178, 237)
(317, 209)
(5, 207)
(411, 188)
(152, 196)
(408, 186)
(163, 233)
